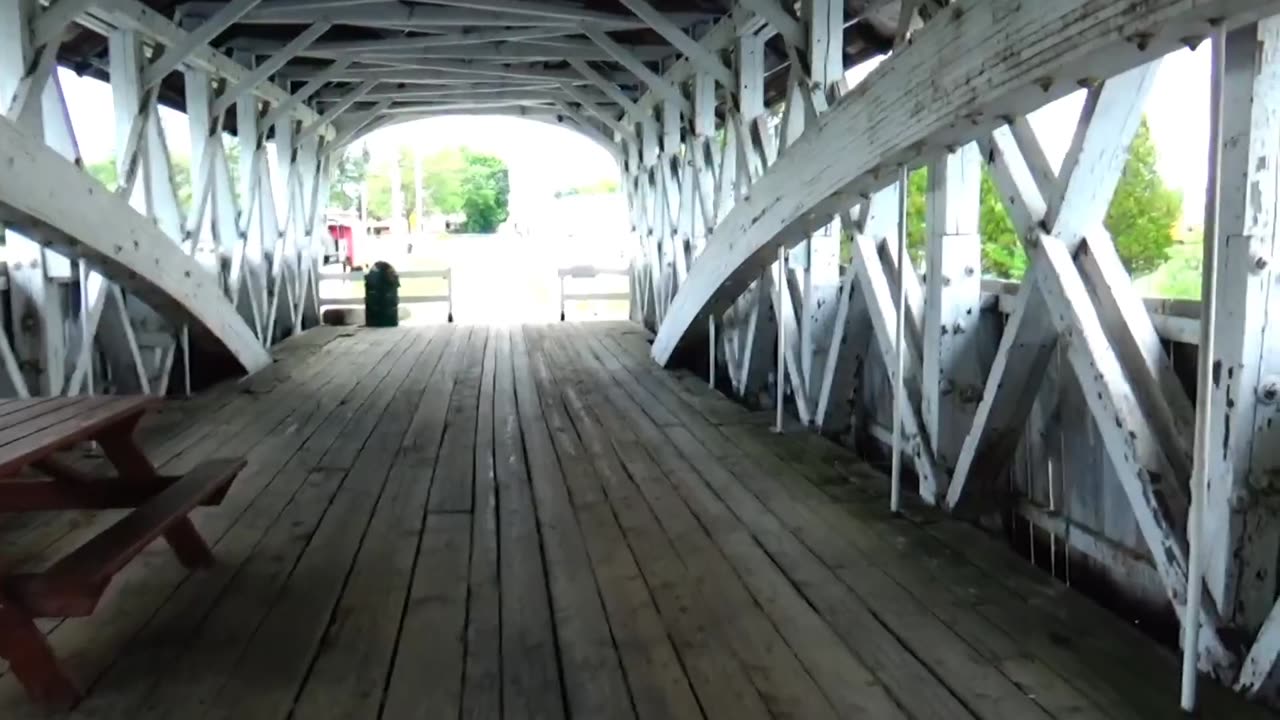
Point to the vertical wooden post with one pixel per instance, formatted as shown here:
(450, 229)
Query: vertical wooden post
(703, 158)
(249, 276)
(1205, 377)
(35, 304)
(780, 382)
(900, 351)
(824, 23)
(753, 318)
(1242, 532)
(951, 383)
(675, 198)
(650, 187)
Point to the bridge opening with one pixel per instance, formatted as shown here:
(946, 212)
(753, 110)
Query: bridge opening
(528, 219)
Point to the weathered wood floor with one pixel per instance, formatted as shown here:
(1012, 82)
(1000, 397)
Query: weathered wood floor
(538, 522)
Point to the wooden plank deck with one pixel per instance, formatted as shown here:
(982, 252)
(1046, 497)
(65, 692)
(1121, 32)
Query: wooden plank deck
(538, 522)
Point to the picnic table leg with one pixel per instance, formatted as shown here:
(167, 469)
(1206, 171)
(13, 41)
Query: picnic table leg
(32, 660)
(123, 452)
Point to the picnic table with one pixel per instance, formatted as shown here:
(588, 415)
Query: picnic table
(32, 431)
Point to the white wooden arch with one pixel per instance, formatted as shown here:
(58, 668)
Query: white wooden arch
(569, 120)
(960, 78)
(46, 197)
(119, 291)
(737, 211)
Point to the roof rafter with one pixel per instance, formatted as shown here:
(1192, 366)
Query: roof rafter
(592, 106)
(199, 37)
(391, 13)
(704, 58)
(656, 82)
(269, 67)
(610, 89)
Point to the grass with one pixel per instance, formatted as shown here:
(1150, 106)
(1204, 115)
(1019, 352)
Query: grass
(1179, 276)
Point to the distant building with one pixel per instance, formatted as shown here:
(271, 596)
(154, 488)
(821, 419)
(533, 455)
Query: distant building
(346, 230)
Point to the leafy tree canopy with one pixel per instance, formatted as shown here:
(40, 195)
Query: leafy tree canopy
(485, 192)
(1144, 211)
(1141, 217)
(180, 170)
(348, 176)
(454, 180)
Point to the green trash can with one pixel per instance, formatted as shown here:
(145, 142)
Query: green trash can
(381, 296)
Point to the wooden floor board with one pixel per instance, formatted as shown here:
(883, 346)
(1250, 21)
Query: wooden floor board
(272, 667)
(1084, 695)
(452, 489)
(851, 687)
(177, 452)
(722, 685)
(426, 675)
(495, 522)
(349, 673)
(89, 645)
(655, 677)
(251, 571)
(482, 666)
(780, 677)
(1046, 616)
(1049, 689)
(843, 617)
(947, 601)
(980, 686)
(530, 664)
(592, 675)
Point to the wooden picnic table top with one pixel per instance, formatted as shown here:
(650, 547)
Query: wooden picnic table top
(31, 431)
(34, 428)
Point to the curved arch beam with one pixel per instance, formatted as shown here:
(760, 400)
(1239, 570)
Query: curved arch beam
(58, 204)
(548, 116)
(972, 67)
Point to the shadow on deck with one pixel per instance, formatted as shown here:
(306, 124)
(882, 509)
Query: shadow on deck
(488, 522)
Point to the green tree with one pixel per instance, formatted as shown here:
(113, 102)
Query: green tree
(180, 170)
(485, 191)
(453, 180)
(379, 196)
(1144, 210)
(441, 181)
(104, 172)
(1002, 253)
(1180, 276)
(1140, 219)
(348, 176)
(917, 190)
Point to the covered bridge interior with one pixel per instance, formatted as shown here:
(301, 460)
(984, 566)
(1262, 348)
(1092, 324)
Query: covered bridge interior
(814, 476)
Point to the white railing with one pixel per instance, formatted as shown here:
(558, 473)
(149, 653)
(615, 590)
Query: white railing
(1174, 320)
(357, 277)
(587, 272)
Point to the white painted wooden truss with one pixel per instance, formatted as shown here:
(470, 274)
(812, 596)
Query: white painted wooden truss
(237, 269)
(1242, 532)
(709, 254)
(107, 290)
(718, 182)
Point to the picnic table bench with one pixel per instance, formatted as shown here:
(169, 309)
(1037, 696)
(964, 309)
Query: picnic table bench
(31, 432)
